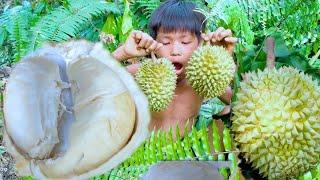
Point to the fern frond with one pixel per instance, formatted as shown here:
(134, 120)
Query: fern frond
(4, 56)
(218, 148)
(267, 18)
(215, 13)
(307, 31)
(161, 146)
(227, 142)
(147, 6)
(91, 31)
(229, 14)
(284, 16)
(19, 36)
(62, 23)
(15, 22)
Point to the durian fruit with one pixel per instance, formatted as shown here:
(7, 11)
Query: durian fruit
(71, 112)
(210, 70)
(276, 121)
(157, 79)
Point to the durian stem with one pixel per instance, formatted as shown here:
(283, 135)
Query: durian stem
(153, 56)
(203, 43)
(270, 53)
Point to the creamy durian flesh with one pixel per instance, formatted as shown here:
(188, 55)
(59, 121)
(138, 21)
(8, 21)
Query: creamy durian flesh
(71, 111)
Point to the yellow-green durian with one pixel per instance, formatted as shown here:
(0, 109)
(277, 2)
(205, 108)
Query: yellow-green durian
(157, 79)
(210, 70)
(276, 121)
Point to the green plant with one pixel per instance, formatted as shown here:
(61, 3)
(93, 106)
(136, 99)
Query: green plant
(59, 24)
(195, 146)
(253, 21)
(146, 7)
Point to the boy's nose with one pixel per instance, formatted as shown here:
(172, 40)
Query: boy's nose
(176, 50)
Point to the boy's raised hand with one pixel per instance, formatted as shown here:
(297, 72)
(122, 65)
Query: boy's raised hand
(221, 37)
(137, 44)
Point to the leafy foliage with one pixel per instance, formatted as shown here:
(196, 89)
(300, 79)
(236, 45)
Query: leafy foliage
(64, 23)
(275, 16)
(208, 109)
(14, 27)
(162, 146)
(253, 21)
(60, 24)
(146, 6)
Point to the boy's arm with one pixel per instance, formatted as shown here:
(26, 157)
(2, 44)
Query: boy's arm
(226, 97)
(137, 44)
(119, 54)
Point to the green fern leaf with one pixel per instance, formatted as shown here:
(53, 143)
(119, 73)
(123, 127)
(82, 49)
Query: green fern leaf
(19, 37)
(161, 146)
(63, 23)
(227, 141)
(147, 6)
(180, 151)
(14, 28)
(218, 148)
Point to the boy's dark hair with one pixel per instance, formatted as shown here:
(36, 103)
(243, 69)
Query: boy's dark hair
(175, 15)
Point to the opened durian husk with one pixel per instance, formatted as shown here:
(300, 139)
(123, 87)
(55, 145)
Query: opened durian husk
(72, 112)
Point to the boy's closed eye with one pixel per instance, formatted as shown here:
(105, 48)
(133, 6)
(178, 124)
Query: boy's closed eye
(183, 42)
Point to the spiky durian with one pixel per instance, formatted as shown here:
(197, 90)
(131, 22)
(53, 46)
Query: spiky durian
(276, 121)
(157, 80)
(210, 70)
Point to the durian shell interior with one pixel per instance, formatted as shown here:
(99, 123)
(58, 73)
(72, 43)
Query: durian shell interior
(72, 112)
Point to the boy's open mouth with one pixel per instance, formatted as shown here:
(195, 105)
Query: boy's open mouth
(177, 66)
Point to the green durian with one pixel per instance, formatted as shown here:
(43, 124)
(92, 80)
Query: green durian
(157, 79)
(210, 70)
(276, 121)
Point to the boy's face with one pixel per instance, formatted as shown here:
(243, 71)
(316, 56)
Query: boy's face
(178, 47)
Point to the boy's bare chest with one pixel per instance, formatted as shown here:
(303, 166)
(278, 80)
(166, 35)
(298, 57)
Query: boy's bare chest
(185, 105)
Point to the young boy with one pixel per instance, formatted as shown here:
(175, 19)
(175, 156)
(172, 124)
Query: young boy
(175, 33)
